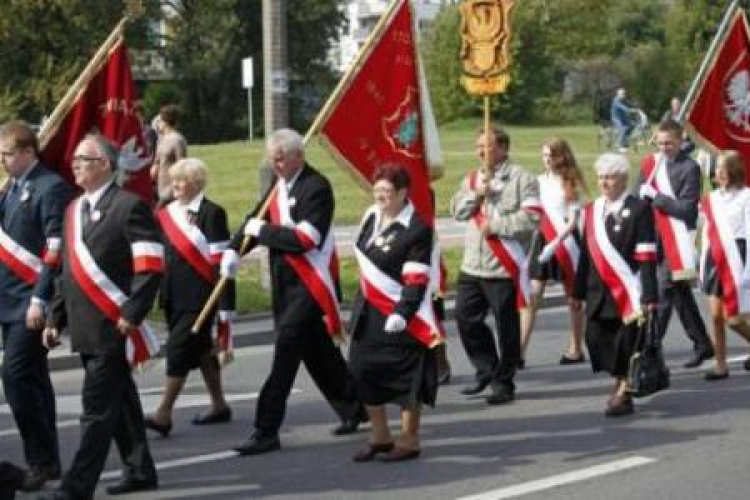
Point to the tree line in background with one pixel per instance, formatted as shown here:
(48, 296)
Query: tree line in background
(569, 56)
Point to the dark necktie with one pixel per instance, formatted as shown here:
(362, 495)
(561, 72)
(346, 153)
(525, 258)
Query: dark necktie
(85, 214)
(11, 200)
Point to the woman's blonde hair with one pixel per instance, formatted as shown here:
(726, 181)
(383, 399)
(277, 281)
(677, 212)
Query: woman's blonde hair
(192, 169)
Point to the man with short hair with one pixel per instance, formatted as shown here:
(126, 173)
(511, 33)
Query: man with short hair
(298, 232)
(493, 272)
(671, 181)
(31, 212)
(111, 267)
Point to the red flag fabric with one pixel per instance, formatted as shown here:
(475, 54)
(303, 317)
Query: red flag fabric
(719, 116)
(105, 103)
(378, 114)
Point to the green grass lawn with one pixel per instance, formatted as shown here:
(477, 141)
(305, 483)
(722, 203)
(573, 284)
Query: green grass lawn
(233, 183)
(233, 166)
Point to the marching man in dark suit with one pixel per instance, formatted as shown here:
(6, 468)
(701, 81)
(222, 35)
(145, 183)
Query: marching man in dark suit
(298, 234)
(31, 211)
(112, 262)
(616, 276)
(671, 182)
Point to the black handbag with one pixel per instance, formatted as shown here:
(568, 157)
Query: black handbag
(648, 373)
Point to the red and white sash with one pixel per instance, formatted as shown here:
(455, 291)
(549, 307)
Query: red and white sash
(189, 241)
(552, 224)
(619, 279)
(509, 252)
(23, 263)
(383, 293)
(677, 240)
(317, 267)
(719, 240)
(141, 344)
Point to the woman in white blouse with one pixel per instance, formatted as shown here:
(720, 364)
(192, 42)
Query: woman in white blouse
(725, 275)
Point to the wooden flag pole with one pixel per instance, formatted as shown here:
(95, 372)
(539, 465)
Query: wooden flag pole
(322, 115)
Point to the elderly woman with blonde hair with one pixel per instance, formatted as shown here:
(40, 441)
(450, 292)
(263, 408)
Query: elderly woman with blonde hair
(195, 234)
(616, 276)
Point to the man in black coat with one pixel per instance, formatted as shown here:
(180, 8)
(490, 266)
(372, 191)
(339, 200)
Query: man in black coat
(31, 212)
(684, 177)
(111, 267)
(299, 318)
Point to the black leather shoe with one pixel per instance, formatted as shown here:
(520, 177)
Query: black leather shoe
(746, 365)
(565, 360)
(258, 444)
(218, 417)
(350, 425)
(130, 485)
(35, 477)
(698, 358)
(162, 429)
(444, 377)
(475, 388)
(500, 397)
(619, 406)
(713, 376)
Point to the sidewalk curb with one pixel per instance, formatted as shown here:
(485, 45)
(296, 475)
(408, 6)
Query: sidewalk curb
(257, 330)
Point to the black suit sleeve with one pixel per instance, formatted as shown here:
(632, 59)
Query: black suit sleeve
(52, 212)
(414, 292)
(646, 234)
(141, 227)
(218, 231)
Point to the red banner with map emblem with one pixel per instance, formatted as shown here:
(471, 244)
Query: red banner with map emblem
(104, 103)
(380, 111)
(719, 116)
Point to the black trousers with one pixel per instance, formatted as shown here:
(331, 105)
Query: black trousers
(28, 389)
(475, 298)
(111, 409)
(679, 295)
(309, 344)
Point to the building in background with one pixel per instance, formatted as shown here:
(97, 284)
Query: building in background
(363, 15)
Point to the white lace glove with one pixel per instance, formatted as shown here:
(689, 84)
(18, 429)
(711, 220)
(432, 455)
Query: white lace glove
(647, 192)
(230, 261)
(395, 323)
(548, 251)
(253, 227)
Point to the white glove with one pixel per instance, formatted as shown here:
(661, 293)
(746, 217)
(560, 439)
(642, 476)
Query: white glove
(548, 251)
(253, 227)
(395, 323)
(230, 261)
(647, 191)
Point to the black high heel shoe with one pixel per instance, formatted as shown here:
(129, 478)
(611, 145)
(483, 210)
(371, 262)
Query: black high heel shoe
(162, 429)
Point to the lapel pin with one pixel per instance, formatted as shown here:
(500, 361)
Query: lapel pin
(379, 241)
(96, 215)
(292, 201)
(626, 213)
(617, 228)
(25, 195)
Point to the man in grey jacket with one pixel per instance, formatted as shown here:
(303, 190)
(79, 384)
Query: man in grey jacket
(492, 275)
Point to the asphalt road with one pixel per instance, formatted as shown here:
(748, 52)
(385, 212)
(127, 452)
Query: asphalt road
(690, 442)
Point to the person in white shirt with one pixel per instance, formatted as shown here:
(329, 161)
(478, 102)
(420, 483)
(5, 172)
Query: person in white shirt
(725, 275)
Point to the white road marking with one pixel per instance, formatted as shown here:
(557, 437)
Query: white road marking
(149, 400)
(562, 479)
(181, 462)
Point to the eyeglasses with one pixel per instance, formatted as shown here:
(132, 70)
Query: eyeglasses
(82, 159)
(7, 154)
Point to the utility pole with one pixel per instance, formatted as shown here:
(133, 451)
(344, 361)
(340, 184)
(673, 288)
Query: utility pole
(275, 89)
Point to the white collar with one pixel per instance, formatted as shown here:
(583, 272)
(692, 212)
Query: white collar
(291, 181)
(194, 205)
(95, 196)
(615, 206)
(404, 218)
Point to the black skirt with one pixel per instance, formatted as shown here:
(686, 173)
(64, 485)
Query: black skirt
(390, 367)
(710, 282)
(184, 348)
(611, 344)
(550, 270)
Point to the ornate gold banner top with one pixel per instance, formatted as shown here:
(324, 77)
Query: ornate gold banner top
(485, 45)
